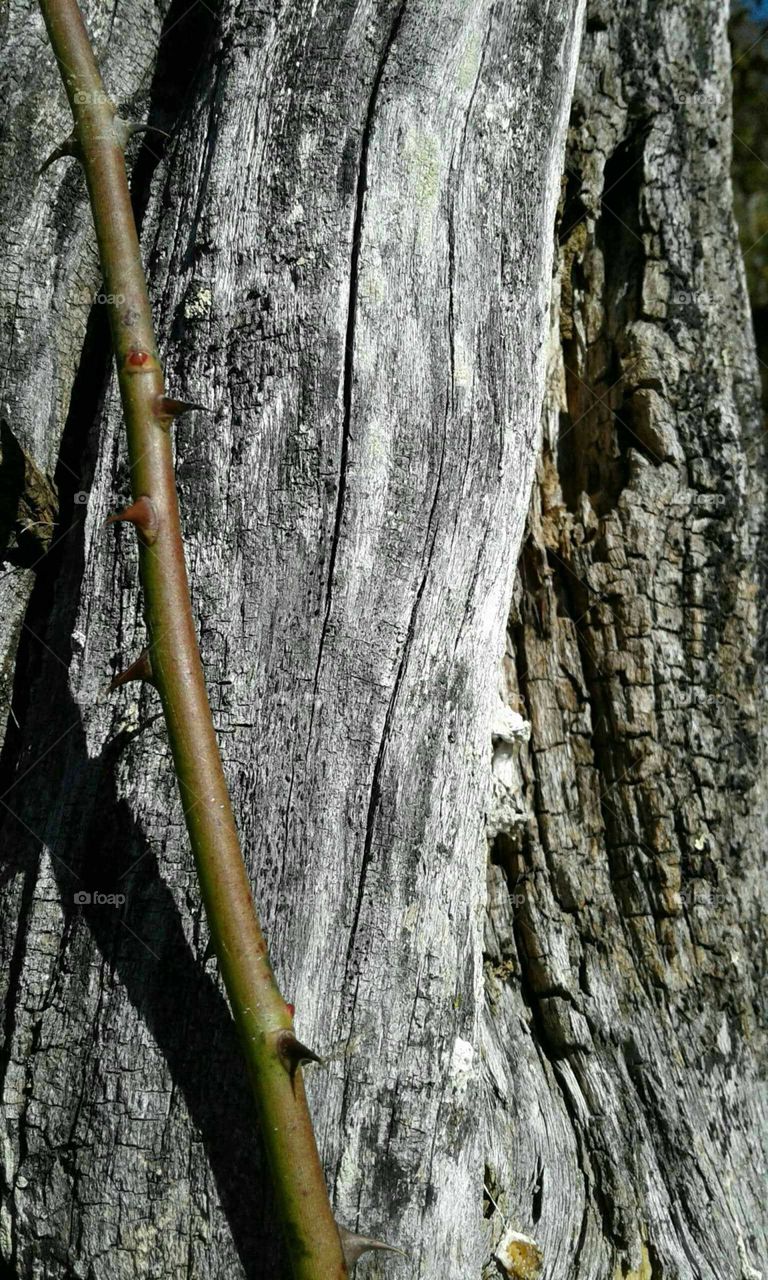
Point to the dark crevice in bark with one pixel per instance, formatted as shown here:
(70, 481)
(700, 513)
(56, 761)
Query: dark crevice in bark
(346, 425)
(451, 228)
(11, 488)
(601, 426)
(609, 752)
(619, 234)
(507, 854)
(538, 1194)
(450, 398)
(593, 1189)
(349, 346)
(15, 971)
(594, 448)
(348, 376)
(375, 794)
(347, 387)
(573, 603)
(574, 210)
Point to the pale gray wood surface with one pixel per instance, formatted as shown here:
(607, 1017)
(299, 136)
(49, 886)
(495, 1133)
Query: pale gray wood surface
(349, 237)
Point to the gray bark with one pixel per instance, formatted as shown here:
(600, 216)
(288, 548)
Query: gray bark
(522, 930)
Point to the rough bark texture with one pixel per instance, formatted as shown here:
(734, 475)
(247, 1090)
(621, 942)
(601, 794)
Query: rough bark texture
(343, 178)
(625, 937)
(349, 238)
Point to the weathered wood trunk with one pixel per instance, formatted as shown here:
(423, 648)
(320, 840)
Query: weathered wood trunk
(351, 241)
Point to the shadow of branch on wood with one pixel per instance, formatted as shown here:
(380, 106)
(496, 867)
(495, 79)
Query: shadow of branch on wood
(69, 804)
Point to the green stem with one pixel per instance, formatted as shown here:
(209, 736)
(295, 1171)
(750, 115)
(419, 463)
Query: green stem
(264, 1020)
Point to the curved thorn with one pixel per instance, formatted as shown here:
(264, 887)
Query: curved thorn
(166, 408)
(69, 147)
(142, 514)
(141, 669)
(127, 129)
(354, 1246)
(147, 128)
(293, 1053)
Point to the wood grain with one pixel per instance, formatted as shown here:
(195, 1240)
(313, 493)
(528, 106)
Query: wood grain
(350, 243)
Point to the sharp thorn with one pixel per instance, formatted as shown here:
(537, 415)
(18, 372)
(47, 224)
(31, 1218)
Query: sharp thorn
(69, 147)
(127, 129)
(354, 1246)
(142, 514)
(141, 669)
(166, 408)
(293, 1053)
(134, 128)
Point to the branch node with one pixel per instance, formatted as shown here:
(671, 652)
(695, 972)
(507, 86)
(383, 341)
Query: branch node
(143, 515)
